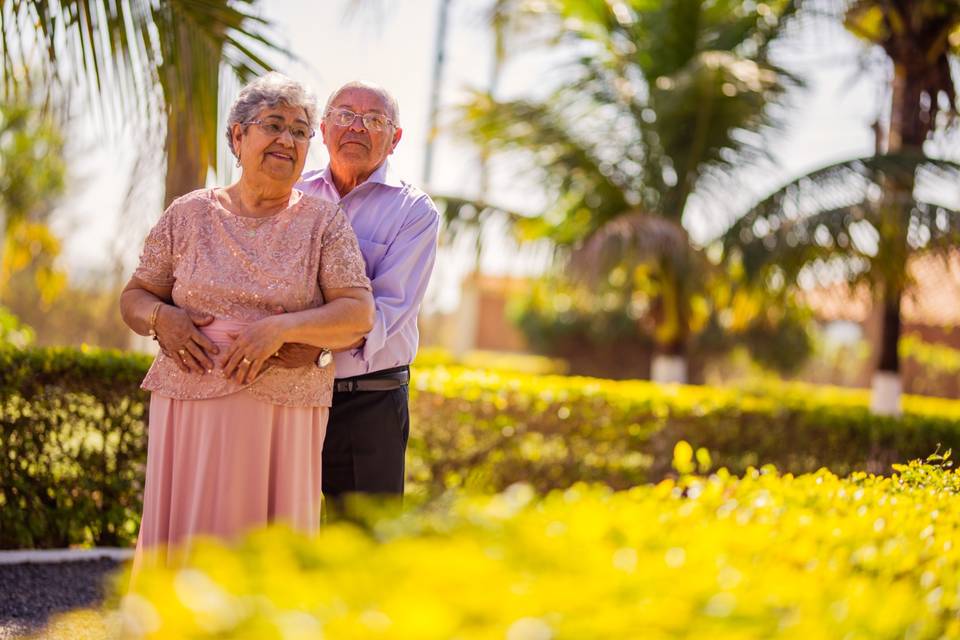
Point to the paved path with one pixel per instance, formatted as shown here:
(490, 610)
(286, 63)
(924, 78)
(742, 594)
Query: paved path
(31, 591)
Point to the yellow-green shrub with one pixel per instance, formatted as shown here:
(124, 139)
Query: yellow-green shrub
(491, 360)
(486, 430)
(938, 358)
(72, 436)
(720, 557)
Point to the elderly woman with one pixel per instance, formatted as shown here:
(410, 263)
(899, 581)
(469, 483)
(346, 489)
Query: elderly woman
(226, 277)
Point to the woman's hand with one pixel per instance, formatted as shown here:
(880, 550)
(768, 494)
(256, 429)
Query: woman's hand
(180, 339)
(252, 347)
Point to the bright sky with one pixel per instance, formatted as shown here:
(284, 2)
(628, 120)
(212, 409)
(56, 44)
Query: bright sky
(830, 121)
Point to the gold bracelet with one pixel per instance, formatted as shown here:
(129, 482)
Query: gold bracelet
(153, 320)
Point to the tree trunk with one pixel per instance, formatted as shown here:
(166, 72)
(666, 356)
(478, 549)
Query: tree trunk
(908, 131)
(670, 366)
(187, 165)
(435, 90)
(190, 78)
(670, 358)
(887, 387)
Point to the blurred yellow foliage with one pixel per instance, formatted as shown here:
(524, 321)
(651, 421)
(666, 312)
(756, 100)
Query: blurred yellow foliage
(938, 358)
(763, 556)
(493, 360)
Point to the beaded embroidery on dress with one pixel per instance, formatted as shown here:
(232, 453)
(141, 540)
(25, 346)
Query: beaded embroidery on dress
(241, 269)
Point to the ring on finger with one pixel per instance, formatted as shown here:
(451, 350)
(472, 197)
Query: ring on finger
(181, 352)
(247, 360)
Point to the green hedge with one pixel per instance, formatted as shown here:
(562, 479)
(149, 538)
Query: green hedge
(72, 447)
(487, 430)
(72, 439)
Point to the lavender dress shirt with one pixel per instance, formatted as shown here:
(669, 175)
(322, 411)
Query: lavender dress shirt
(396, 225)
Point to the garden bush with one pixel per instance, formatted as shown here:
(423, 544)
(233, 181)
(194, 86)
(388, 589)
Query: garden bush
(486, 430)
(72, 447)
(768, 555)
(72, 436)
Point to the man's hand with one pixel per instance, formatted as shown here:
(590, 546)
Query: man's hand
(295, 354)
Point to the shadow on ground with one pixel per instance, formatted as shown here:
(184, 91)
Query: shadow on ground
(31, 592)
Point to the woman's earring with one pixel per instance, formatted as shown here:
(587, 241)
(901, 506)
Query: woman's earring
(238, 159)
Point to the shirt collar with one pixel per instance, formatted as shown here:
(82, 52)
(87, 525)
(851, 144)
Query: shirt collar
(384, 174)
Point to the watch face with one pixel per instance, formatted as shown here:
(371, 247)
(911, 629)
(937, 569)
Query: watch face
(326, 357)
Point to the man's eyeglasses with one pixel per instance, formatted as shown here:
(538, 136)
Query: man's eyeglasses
(275, 128)
(373, 121)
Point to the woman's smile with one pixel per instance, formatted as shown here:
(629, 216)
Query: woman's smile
(281, 155)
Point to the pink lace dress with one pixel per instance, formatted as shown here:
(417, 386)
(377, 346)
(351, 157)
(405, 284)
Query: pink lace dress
(223, 458)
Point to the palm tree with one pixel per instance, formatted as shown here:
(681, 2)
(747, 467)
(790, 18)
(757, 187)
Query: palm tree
(661, 101)
(157, 61)
(869, 215)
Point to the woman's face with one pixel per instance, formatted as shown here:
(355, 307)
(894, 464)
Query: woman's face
(274, 156)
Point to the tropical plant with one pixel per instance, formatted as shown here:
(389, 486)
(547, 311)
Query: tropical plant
(31, 179)
(155, 61)
(864, 218)
(660, 103)
(608, 329)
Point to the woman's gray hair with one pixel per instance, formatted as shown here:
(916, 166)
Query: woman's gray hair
(269, 90)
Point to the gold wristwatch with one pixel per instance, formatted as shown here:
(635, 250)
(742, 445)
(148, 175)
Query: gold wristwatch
(325, 358)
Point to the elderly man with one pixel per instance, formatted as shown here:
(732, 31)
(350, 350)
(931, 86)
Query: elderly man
(396, 225)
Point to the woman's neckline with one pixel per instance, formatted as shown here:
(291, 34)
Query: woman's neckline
(297, 194)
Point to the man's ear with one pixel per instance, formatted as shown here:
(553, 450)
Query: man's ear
(396, 139)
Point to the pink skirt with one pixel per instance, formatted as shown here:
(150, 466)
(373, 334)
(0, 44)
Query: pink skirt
(221, 466)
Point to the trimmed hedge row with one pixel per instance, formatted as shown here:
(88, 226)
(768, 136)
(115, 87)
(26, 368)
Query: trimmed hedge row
(72, 447)
(764, 556)
(486, 430)
(72, 436)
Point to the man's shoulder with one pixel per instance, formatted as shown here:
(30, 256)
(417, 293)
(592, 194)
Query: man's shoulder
(417, 201)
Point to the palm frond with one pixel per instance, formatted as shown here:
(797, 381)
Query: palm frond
(465, 215)
(123, 51)
(654, 119)
(703, 115)
(589, 196)
(849, 211)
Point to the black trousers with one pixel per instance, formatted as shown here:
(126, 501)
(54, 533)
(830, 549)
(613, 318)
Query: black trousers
(365, 444)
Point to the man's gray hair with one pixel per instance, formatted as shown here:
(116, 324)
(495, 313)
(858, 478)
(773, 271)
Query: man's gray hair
(392, 107)
(270, 90)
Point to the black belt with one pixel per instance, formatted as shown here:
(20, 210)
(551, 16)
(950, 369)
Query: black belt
(385, 380)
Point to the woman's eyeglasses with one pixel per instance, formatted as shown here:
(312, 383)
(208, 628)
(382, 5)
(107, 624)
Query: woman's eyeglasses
(275, 128)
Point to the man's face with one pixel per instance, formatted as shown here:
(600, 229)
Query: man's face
(355, 149)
